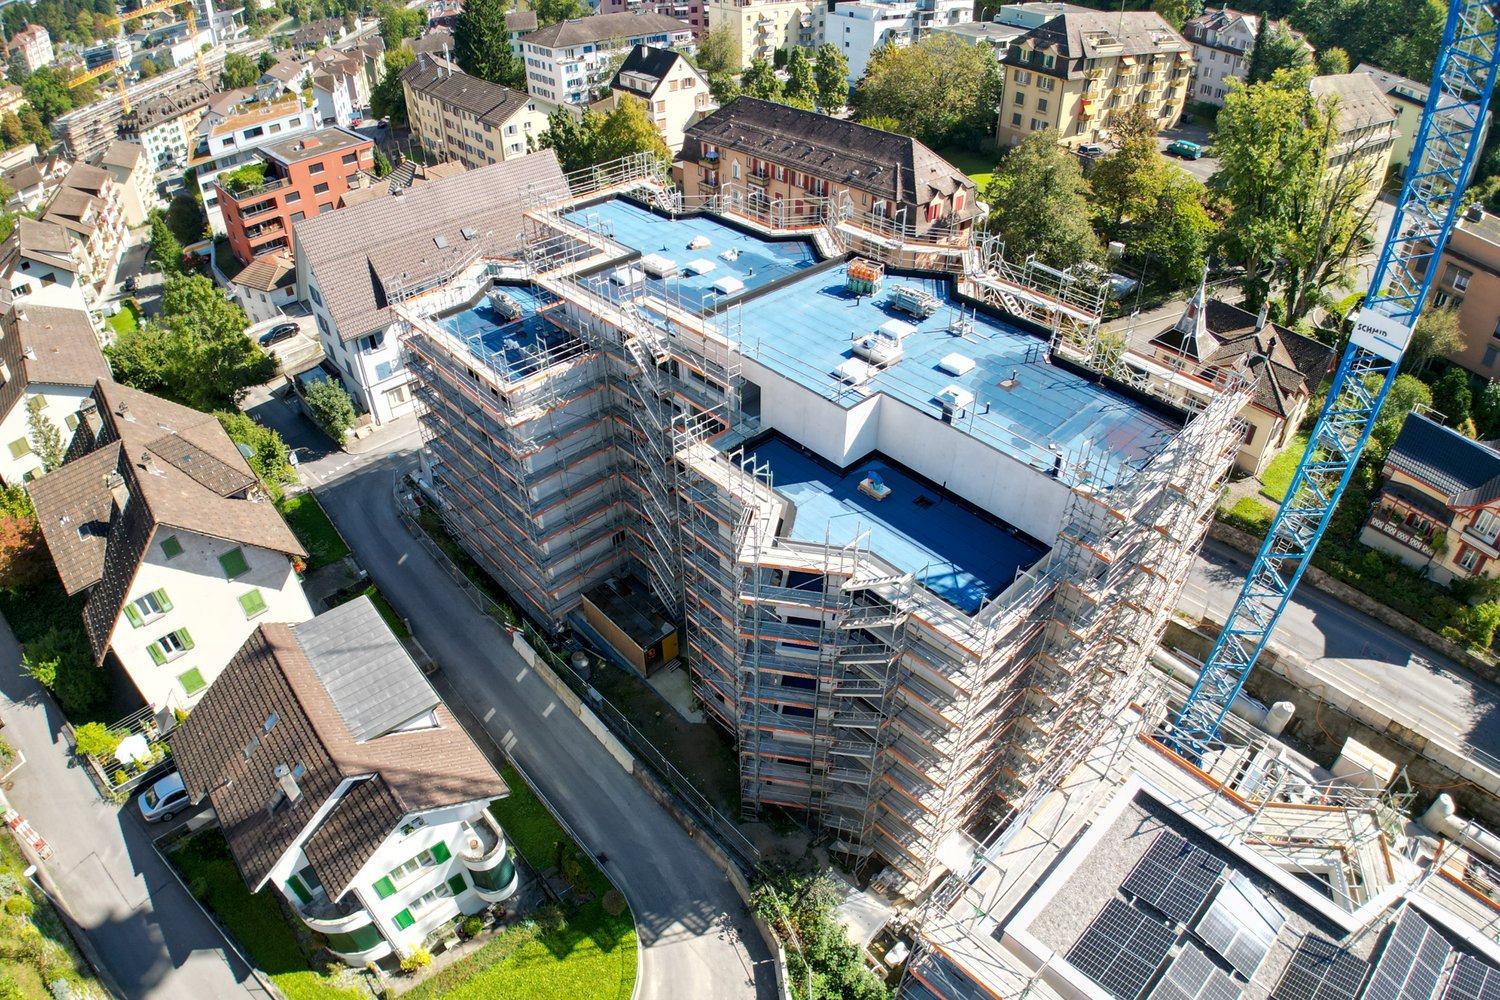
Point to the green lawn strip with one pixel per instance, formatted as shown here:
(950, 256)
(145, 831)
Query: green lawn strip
(314, 530)
(1278, 475)
(123, 322)
(1251, 515)
(256, 921)
(387, 612)
(977, 165)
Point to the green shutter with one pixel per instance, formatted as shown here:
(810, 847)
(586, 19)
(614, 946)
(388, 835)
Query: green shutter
(171, 547)
(403, 920)
(192, 682)
(252, 604)
(440, 852)
(19, 448)
(133, 615)
(71, 420)
(187, 640)
(298, 889)
(385, 888)
(161, 598)
(157, 656)
(456, 884)
(234, 563)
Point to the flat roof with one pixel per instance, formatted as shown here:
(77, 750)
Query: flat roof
(956, 552)
(515, 348)
(296, 148)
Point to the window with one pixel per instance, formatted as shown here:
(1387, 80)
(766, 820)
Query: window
(253, 603)
(320, 188)
(315, 296)
(1490, 354)
(1041, 104)
(234, 563)
(293, 196)
(326, 207)
(1045, 84)
(171, 547)
(147, 607)
(1457, 277)
(1468, 559)
(429, 897)
(20, 448)
(298, 216)
(1019, 100)
(316, 168)
(434, 855)
(1015, 121)
(192, 681)
(170, 646)
(351, 158)
(1022, 77)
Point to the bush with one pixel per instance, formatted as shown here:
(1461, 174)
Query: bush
(416, 961)
(1478, 624)
(332, 408)
(95, 739)
(62, 661)
(270, 458)
(19, 906)
(614, 903)
(473, 926)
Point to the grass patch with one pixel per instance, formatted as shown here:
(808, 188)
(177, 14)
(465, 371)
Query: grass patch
(1278, 475)
(1251, 515)
(979, 166)
(257, 921)
(314, 530)
(123, 322)
(35, 949)
(387, 612)
(588, 954)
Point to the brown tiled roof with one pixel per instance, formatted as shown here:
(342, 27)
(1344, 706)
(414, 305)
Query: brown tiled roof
(1079, 35)
(122, 154)
(521, 20)
(267, 274)
(1362, 102)
(443, 81)
(42, 241)
(71, 207)
(604, 27)
(90, 179)
(74, 509)
(47, 345)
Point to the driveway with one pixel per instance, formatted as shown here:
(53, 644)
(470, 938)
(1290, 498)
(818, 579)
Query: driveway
(1200, 169)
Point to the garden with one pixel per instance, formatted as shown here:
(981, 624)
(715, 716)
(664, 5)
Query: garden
(314, 530)
(38, 959)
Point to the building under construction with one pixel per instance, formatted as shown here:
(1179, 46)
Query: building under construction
(919, 523)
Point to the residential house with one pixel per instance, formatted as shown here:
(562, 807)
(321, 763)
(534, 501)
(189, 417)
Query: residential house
(49, 353)
(1222, 42)
(134, 174)
(1408, 99)
(18, 156)
(1468, 279)
(1078, 70)
(1034, 15)
(319, 34)
(295, 179)
(344, 782)
(1285, 369)
(354, 263)
(568, 61)
(1366, 129)
(690, 11)
(156, 516)
(857, 28)
(41, 259)
(339, 86)
(12, 99)
(760, 154)
(674, 91)
(266, 287)
(461, 118)
(31, 47)
(517, 24)
(166, 125)
(231, 136)
(757, 28)
(90, 206)
(1438, 509)
(35, 182)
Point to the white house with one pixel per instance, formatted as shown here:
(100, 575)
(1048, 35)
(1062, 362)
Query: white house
(134, 174)
(230, 138)
(266, 287)
(90, 206)
(342, 779)
(1222, 42)
(675, 92)
(47, 353)
(42, 258)
(566, 62)
(157, 516)
(859, 27)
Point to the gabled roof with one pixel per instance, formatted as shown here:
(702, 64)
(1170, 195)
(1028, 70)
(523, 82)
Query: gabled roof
(1362, 103)
(266, 274)
(88, 179)
(75, 210)
(891, 166)
(1464, 472)
(361, 254)
(443, 81)
(521, 20)
(647, 61)
(46, 345)
(604, 27)
(122, 154)
(43, 241)
(1077, 35)
(341, 686)
(1395, 87)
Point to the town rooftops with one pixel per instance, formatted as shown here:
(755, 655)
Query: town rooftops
(30, 33)
(182, 99)
(92, 180)
(1076, 35)
(644, 65)
(444, 82)
(1362, 101)
(1466, 472)
(46, 345)
(311, 145)
(122, 154)
(265, 274)
(302, 709)
(896, 167)
(44, 240)
(604, 28)
(362, 254)
(74, 210)
(1393, 86)
(521, 20)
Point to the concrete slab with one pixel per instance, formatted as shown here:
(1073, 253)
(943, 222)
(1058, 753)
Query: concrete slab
(676, 687)
(862, 912)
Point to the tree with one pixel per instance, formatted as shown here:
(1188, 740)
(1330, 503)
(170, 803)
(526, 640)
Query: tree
(801, 908)
(400, 23)
(332, 408)
(1437, 335)
(388, 99)
(45, 439)
(61, 659)
(35, 129)
(481, 45)
(1039, 204)
(596, 138)
(382, 163)
(1487, 410)
(239, 71)
(883, 122)
(942, 90)
(10, 129)
(1125, 183)
(147, 69)
(1407, 393)
(1176, 12)
(1276, 48)
(761, 81)
(49, 95)
(553, 11)
(1133, 123)
(831, 73)
(270, 458)
(1333, 62)
(185, 219)
(23, 553)
(165, 246)
(1176, 232)
(724, 86)
(1400, 36)
(1453, 398)
(801, 86)
(716, 52)
(265, 62)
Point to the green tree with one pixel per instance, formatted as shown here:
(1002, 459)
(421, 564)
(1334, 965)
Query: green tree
(481, 45)
(883, 122)
(388, 99)
(332, 408)
(270, 458)
(1176, 12)
(400, 23)
(239, 71)
(1487, 410)
(802, 909)
(147, 69)
(716, 52)
(185, 219)
(1400, 36)
(1407, 393)
(10, 129)
(48, 93)
(1276, 48)
(1039, 204)
(265, 62)
(724, 86)
(1176, 232)
(1437, 335)
(553, 11)
(831, 73)
(802, 86)
(942, 90)
(597, 138)
(45, 438)
(61, 659)
(382, 163)
(1333, 62)
(35, 129)
(165, 246)
(761, 81)
(1125, 183)
(1453, 398)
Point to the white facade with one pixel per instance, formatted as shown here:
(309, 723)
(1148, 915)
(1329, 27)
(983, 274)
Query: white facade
(224, 143)
(171, 140)
(33, 47)
(370, 366)
(673, 102)
(759, 27)
(569, 74)
(261, 305)
(137, 189)
(174, 650)
(334, 102)
(18, 463)
(859, 27)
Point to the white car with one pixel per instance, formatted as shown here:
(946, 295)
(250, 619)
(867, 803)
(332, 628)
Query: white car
(164, 799)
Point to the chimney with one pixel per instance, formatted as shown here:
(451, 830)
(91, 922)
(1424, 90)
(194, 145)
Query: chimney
(288, 784)
(1263, 315)
(124, 411)
(148, 462)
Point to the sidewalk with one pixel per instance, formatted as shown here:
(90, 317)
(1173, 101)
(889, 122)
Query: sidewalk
(150, 935)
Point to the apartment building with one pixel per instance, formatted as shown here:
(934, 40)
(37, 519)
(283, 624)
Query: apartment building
(1367, 129)
(344, 782)
(674, 91)
(157, 517)
(1222, 42)
(36, 181)
(42, 260)
(294, 179)
(460, 118)
(1078, 69)
(983, 33)
(518, 23)
(1468, 280)
(757, 28)
(859, 27)
(31, 47)
(90, 206)
(47, 353)
(230, 136)
(689, 11)
(568, 62)
(135, 174)
(1408, 99)
(783, 160)
(166, 126)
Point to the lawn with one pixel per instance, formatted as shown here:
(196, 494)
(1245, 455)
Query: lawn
(256, 921)
(317, 534)
(387, 612)
(123, 322)
(979, 166)
(589, 955)
(36, 948)
(1277, 478)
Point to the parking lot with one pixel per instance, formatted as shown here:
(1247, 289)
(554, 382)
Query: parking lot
(1202, 168)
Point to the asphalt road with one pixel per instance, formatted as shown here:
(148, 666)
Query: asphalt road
(1429, 692)
(676, 893)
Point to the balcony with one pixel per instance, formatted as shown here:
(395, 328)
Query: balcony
(760, 179)
(349, 928)
(1393, 523)
(486, 855)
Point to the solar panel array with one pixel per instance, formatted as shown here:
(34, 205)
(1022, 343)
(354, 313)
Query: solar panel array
(1412, 962)
(1174, 877)
(1241, 925)
(1473, 979)
(1122, 949)
(1193, 976)
(1321, 970)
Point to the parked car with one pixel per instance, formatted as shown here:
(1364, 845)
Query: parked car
(275, 335)
(164, 799)
(1091, 149)
(1186, 150)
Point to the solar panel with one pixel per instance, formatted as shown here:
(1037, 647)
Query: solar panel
(1193, 976)
(1321, 970)
(1174, 877)
(1122, 949)
(1412, 962)
(1473, 979)
(1241, 925)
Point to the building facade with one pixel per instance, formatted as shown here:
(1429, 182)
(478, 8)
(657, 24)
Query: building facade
(42, 260)
(135, 174)
(31, 47)
(859, 27)
(1367, 131)
(1222, 42)
(1077, 70)
(232, 137)
(166, 126)
(566, 63)
(90, 206)
(1468, 279)
(303, 177)
(674, 91)
(757, 28)
(461, 118)
(688, 11)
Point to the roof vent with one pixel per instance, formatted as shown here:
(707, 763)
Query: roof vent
(469, 232)
(148, 462)
(287, 782)
(441, 241)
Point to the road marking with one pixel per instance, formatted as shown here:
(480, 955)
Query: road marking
(508, 741)
(488, 716)
(522, 675)
(401, 561)
(548, 710)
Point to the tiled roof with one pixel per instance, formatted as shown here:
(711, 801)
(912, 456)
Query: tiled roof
(48, 345)
(647, 61)
(89, 179)
(521, 20)
(603, 28)
(1465, 472)
(1393, 86)
(281, 669)
(1076, 36)
(1362, 102)
(122, 154)
(267, 274)
(357, 252)
(74, 511)
(75, 210)
(443, 81)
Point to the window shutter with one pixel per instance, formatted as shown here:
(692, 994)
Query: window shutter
(440, 852)
(403, 920)
(385, 888)
(187, 640)
(133, 615)
(456, 884)
(162, 599)
(171, 547)
(157, 656)
(233, 563)
(298, 889)
(252, 603)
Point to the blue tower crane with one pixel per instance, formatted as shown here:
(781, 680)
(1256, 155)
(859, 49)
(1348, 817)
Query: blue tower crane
(1442, 158)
